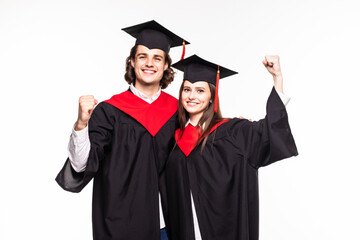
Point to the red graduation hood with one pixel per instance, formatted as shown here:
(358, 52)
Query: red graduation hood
(190, 136)
(152, 116)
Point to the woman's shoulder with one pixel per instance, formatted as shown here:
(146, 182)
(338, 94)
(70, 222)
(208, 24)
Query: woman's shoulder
(232, 125)
(225, 127)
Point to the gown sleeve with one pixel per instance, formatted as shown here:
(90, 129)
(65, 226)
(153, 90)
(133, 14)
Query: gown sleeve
(100, 132)
(268, 140)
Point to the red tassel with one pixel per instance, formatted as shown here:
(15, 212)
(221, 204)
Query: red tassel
(217, 90)
(183, 53)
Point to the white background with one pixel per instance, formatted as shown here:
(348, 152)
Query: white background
(52, 52)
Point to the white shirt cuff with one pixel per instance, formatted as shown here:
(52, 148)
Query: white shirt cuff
(80, 136)
(284, 98)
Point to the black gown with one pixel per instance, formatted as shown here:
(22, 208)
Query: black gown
(130, 142)
(224, 178)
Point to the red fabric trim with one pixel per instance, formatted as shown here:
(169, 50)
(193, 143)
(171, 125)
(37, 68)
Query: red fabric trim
(217, 90)
(187, 141)
(152, 116)
(190, 136)
(183, 52)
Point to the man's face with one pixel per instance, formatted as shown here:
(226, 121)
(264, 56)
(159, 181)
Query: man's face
(149, 66)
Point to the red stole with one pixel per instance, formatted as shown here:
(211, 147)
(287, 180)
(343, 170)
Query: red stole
(190, 136)
(152, 116)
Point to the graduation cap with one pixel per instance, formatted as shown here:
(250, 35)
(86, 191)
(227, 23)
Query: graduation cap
(152, 35)
(197, 69)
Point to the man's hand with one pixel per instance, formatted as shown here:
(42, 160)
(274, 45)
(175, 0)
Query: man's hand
(250, 120)
(272, 64)
(86, 107)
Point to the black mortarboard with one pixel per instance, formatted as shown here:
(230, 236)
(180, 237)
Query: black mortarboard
(197, 69)
(153, 35)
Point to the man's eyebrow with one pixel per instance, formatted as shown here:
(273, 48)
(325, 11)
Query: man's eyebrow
(138, 54)
(156, 55)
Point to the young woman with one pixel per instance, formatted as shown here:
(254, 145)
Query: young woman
(211, 174)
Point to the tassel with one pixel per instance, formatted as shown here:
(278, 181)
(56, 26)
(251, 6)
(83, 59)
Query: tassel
(183, 53)
(217, 89)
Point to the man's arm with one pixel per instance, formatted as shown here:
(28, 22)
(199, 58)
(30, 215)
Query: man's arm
(79, 143)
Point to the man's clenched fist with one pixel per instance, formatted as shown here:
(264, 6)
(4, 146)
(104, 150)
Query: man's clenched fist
(86, 106)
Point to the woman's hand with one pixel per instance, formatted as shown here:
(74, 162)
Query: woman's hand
(272, 64)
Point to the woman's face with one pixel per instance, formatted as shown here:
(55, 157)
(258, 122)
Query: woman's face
(195, 98)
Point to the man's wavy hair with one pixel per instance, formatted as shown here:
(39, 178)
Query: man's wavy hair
(130, 77)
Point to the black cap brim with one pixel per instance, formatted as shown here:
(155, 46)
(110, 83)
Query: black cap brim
(197, 69)
(153, 35)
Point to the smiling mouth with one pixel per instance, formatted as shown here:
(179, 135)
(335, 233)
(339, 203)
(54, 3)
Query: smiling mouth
(149, 71)
(191, 104)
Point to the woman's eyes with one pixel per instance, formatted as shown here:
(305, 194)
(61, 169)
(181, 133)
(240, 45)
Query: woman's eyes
(188, 90)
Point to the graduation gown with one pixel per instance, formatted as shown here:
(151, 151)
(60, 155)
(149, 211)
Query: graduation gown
(223, 179)
(130, 142)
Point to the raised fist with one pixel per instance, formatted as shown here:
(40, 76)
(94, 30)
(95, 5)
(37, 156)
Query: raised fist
(272, 64)
(86, 106)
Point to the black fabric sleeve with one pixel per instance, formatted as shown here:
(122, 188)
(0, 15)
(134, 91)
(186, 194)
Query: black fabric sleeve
(100, 132)
(268, 140)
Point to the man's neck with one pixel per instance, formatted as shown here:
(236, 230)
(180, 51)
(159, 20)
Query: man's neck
(148, 90)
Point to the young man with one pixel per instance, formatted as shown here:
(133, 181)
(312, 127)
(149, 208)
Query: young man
(131, 135)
